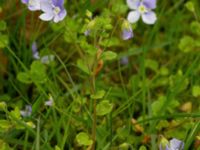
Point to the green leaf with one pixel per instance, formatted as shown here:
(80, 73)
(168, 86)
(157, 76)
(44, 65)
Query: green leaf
(83, 139)
(3, 41)
(156, 106)
(15, 113)
(104, 107)
(119, 8)
(38, 72)
(98, 95)
(162, 124)
(152, 64)
(5, 124)
(124, 146)
(190, 6)
(4, 146)
(90, 49)
(70, 33)
(186, 44)
(89, 14)
(196, 91)
(110, 42)
(109, 55)
(24, 77)
(195, 27)
(164, 71)
(142, 148)
(83, 66)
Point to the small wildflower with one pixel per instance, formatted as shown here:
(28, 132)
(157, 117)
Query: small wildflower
(173, 144)
(27, 112)
(33, 5)
(124, 60)
(87, 32)
(142, 8)
(47, 59)
(127, 32)
(35, 50)
(49, 102)
(53, 10)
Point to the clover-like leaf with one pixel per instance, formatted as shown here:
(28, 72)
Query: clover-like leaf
(15, 113)
(196, 91)
(104, 107)
(5, 124)
(24, 77)
(195, 27)
(83, 139)
(3, 40)
(37, 72)
(151, 64)
(190, 6)
(98, 95)
(186, 44)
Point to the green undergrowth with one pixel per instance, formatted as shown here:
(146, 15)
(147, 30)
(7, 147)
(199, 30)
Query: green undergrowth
(133, 93)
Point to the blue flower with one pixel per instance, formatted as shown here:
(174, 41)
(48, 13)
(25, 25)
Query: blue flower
(53, 10)
(27, 112)
(173, 144)
(124, 60)
(47, 59)
(35, 50)
(87, 32)
(142, 8)
(127, 32)
(50, 102)
(33, 5)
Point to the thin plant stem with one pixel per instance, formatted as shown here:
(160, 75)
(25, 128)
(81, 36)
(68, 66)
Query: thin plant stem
(94, 112)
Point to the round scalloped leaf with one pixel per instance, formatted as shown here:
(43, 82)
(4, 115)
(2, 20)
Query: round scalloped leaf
(98, 95)
(83, 139)
(38, 72)
(104, 107)
(196, 91)
(24, 77)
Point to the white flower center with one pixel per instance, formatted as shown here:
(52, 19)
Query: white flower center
(57, 10)
(142, 9)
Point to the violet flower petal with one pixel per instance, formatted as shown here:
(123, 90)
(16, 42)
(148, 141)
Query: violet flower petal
(46, 16)
(35, 50)
(46, 6)
(33, 5)
(133, 16)
(133, 4)
(124, 60)
(151, 4)
(176, 144)
(127, 34)
(60, 16)
(25, 1)
(149, 17)
(27, 112)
